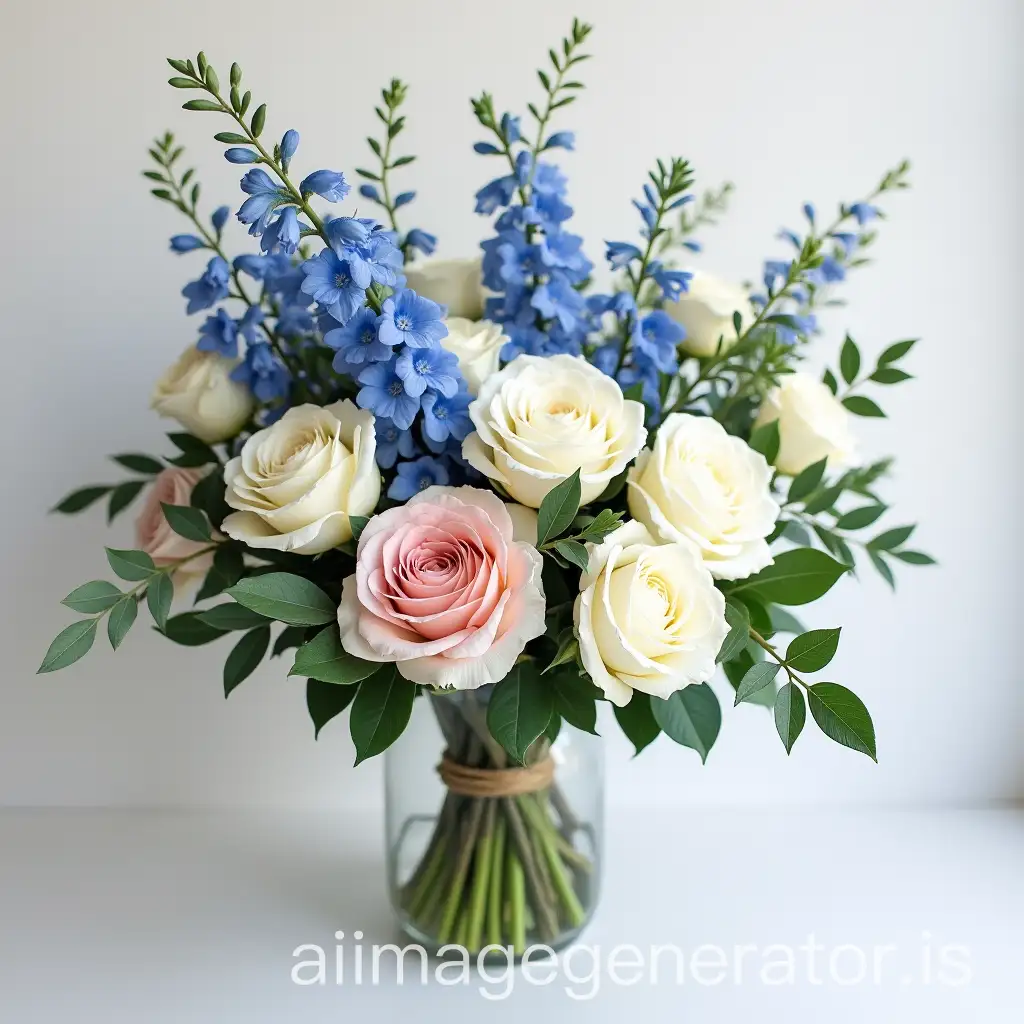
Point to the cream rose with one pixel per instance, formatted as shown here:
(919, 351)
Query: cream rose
(700, 485)
(296, 483)
(705, 310)
(813, 424)
(540, 419)
(477, 344)
(648, 616)
(172, 486)
(443, 590)
(199, 393)
(456, 284)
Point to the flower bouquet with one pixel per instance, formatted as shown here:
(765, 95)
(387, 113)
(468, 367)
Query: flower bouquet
(490, 485)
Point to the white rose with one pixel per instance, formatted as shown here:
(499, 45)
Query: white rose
(702, 486)
(477, 344)
(648, 616)
(199, 393)
(540, 419)
(457, 284)
(296, 483)
(706, 310)
(813, 424)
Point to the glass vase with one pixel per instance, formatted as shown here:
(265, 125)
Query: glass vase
(480, 852)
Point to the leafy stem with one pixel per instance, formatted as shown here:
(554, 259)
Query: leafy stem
(770, 649)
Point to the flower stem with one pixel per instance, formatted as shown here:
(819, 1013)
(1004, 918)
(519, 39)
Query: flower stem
(497, 875)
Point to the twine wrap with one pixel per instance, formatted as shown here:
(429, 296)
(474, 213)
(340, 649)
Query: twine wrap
(495, 782)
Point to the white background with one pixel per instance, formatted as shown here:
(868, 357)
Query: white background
(791, 100)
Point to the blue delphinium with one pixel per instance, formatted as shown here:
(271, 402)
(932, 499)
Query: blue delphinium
(445, 418)
(209, 289)
(263, 373)
(383, 393)
(282, 234)
(656, 339)
(409, 319)
(264, 197)
(329, 185)
(219, 334)
(357, 342)
(328, 280)
(392, 442)
(422, 241)
(186, 243)
(433, 368)
(413, 477)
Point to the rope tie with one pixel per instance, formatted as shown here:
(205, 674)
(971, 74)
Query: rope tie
(495, 782)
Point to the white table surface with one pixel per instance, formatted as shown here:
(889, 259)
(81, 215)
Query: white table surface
(154, 917)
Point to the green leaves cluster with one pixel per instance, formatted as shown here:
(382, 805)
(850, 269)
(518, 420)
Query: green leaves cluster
(562, 533)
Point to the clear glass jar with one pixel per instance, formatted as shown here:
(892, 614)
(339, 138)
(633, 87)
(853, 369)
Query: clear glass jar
(507, 870)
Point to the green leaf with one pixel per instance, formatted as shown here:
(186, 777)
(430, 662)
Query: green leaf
(594, 530)
(796, 577)
(122, 496)
(325, 659)
(208, 495)
(520, 709)
(183, 83)
(245, 656)
(201, 105)
(812, 651)
(883, 568)
(558, 510)
(739, 633)
(381, 712)
(553, 728)
(784, 622)
(822, 500)
(225, 572)
(790, 714)
(289, 637)
(914, 557)
(139, 463)
(190, 523)
(576, 699)
(858, 518)
(231, 616)
(286, 597)
(188, 630)
(198, 452)
(896, 351)
(70, 644)
(615, 485)
(121, 618)
(891, 538)
(889, 375)
(130, 565)
(232, 138)
(691, 717)
(259, 119)
(326, 701)
(756, 678)
(861, 406)
(829, 380)
(573, 551)
(637, 721)
(849, 360)
(568, 650)
(805, 482)
(842, 716)
(92, 598)
(80, 499)
(358, 524)
(766, 440)
(159, 595)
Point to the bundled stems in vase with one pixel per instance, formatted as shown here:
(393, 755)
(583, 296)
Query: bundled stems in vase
(501, 865)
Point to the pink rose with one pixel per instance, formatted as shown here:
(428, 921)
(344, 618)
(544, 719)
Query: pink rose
(444, 590)
(152, 534)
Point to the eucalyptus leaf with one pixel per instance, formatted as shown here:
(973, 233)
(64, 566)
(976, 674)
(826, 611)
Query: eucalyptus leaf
(93, 598)
(807, 480)
(849, 360)
(284, 596)
(189, 630)
(130, 565)
(232, 616)
(790, 714)
(842, 716)
(756, 678)
(139, 463)
(70, 644)
(186, 521)
(159, 595)
(796, 577)
(121, 618)
(122, 496)
(812, 651)
(81, 499)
